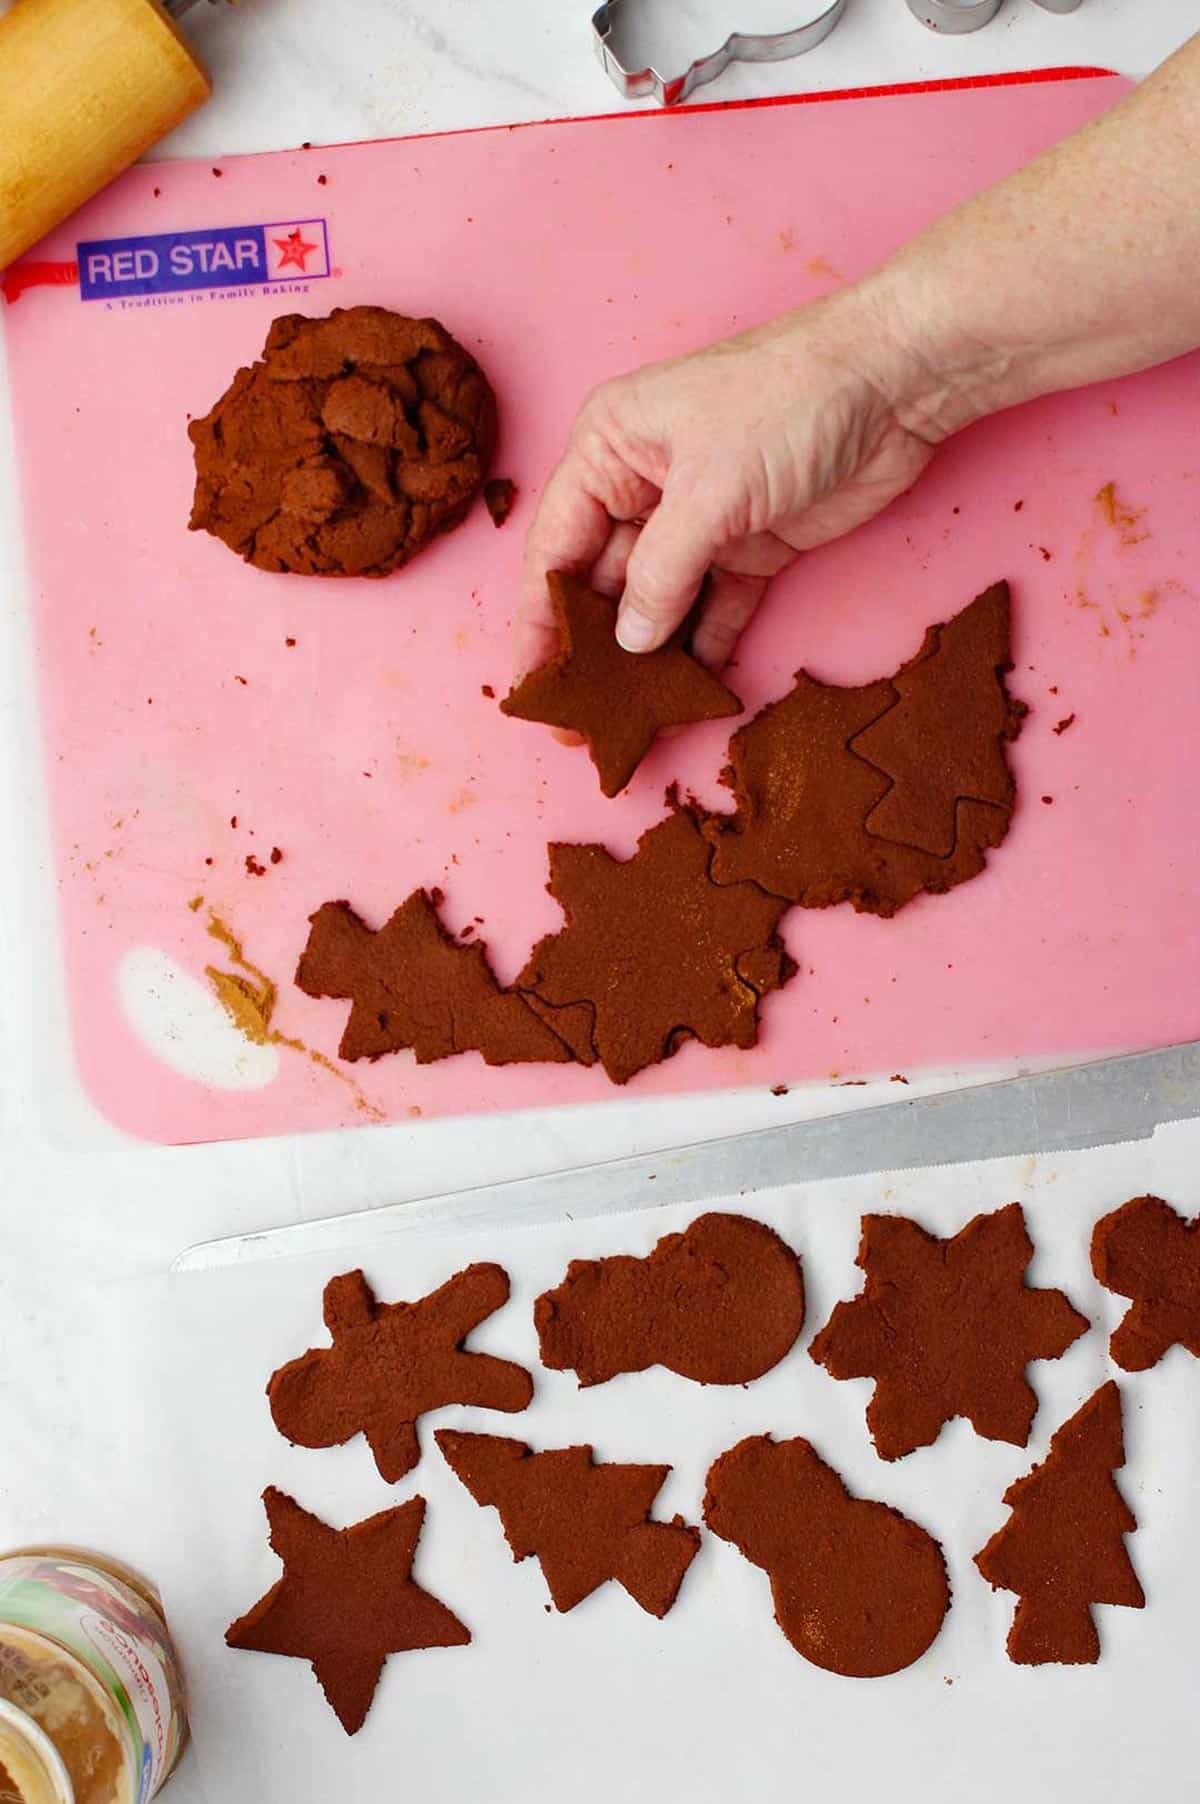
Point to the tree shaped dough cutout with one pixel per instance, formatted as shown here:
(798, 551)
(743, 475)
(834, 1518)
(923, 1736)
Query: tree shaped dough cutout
(1063, 1547)
(872, 795)
(347, 1599)
(721, 1303)
(1148, 1253)
(618, 700)
(944, 741)
(946, 1328)
(858, 1588)
(390, 1363)
(586, 1522)
(655, 950)
(412, 986)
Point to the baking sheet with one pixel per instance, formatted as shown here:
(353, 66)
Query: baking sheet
(712, 1702)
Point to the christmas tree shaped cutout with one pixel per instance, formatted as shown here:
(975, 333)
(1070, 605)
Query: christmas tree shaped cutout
(586, 1521)
(1063, 1548)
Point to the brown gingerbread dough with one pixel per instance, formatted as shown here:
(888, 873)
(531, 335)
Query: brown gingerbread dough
(499, 495)
(946, 1328)
(616, 699)
(871, 795)
(858, 1588)
(1063, 1547)
(346, 1601)
(721, 1303)
(655, 950)
(1148, 1253)
(586, 1522)
(390, 1363)
(412, 986)
(344, 450)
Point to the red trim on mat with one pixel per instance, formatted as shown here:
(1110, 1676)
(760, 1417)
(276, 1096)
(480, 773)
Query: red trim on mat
(31, 275)
(1013, 78)
(36, 275)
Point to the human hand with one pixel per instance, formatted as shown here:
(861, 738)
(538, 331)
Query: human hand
(725, 465)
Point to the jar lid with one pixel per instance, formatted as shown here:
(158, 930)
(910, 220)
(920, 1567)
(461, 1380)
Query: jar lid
(30, 1760)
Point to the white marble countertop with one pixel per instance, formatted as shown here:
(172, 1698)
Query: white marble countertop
(89, 1220)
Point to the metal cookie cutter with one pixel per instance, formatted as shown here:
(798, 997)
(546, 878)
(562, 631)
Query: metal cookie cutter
(739, 47)
(969, 15)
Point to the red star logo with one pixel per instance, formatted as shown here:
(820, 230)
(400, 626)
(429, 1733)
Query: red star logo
(294, 250)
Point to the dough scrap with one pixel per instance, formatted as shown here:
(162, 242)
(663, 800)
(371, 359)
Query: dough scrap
(658, 950)
(414, 987)
(872, 795)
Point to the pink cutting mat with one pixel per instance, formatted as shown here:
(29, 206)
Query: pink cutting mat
(175, 702)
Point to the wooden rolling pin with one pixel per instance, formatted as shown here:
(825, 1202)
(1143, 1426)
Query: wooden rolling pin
(86, 87)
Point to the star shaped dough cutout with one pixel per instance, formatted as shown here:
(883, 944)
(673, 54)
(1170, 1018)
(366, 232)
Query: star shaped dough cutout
(658, 951)
(946, 1328)
(347, 1599)
(618, 700)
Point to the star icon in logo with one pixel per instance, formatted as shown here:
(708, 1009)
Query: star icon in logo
(294, 251)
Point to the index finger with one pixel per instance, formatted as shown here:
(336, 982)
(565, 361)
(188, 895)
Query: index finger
(570, 531)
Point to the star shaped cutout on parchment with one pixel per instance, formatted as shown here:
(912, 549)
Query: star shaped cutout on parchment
(294, 251)
(346, 1601)
(946, 1328)
(618, 700)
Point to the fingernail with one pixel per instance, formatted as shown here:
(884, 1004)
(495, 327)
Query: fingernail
(635, 630)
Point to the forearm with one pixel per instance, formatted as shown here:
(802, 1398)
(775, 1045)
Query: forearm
(1082, 266)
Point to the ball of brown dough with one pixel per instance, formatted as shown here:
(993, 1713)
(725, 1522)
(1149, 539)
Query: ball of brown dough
(344, 450)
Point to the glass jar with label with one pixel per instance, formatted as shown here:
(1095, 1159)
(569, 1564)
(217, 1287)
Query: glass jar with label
(91, 1693)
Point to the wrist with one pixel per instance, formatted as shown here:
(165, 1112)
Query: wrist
(937, 374)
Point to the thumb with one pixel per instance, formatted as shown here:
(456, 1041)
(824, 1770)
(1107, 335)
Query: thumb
(665, 571)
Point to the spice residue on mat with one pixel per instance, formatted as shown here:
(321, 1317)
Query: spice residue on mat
(586, 1521)
(353, 441)
(858, 1588)
(1126, 521)
(347, 1599)
(391, 1362)
(249, 997)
